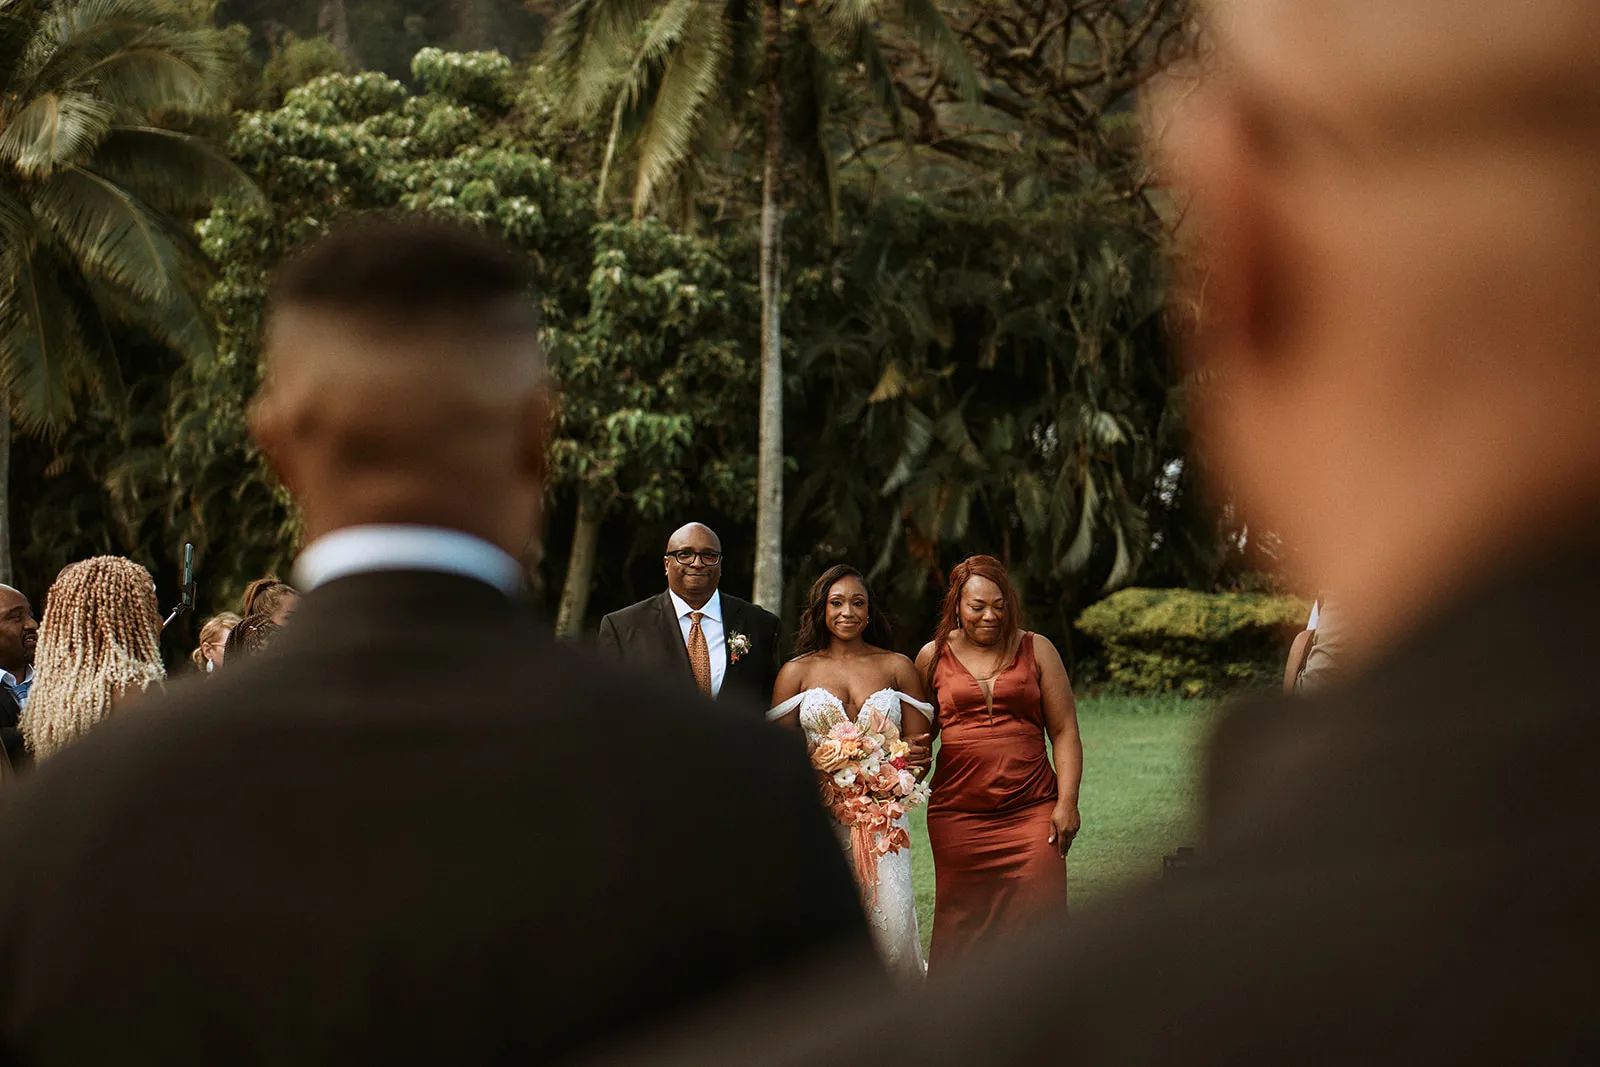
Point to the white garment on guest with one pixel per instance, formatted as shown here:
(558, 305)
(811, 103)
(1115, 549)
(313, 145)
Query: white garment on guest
(364, 549)
(711, 626)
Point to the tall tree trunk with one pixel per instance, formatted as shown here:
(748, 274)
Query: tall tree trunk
(580, 565)
(6, 575)
(769, 470)
(333, 22)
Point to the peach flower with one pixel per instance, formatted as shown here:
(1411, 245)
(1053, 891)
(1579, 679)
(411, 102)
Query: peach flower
(829, 755)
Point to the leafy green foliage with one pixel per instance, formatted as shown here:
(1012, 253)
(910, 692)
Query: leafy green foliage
(342, 146)
(654, 378)
(1193, 643)
(992, 379)
(95, 194)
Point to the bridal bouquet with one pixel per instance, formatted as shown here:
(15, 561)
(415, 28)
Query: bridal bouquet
(867, 784)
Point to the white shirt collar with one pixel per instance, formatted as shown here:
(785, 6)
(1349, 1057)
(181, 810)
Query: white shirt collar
(364, 549)
(712, 610)
(12, 680)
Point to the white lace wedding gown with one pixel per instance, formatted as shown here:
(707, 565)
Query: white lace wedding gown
(894, 916)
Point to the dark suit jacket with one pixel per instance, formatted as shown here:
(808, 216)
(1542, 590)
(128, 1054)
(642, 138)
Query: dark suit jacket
(16, 749)
(415, 830)
(1403, 871)
(647, 635)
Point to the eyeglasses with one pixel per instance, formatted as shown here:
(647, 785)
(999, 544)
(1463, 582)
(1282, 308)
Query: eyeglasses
(687, 556)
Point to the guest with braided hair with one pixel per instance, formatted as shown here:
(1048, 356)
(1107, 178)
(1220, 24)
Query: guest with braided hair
(270, 597)
(253, 634)
(99, 643)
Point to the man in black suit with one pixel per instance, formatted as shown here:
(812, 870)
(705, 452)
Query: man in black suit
(1402, 241)
(726, 647)
(414, 829)
(19, 636)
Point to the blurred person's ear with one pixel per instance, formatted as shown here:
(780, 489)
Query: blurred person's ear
(1238, 261)
(270, 427)
(538, 413)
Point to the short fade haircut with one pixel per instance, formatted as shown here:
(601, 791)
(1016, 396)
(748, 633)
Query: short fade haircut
(409, 270)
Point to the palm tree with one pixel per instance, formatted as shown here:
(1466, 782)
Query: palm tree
(672, 73)
(97, 190)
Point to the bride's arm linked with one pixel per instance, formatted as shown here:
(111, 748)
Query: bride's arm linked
(916, 727)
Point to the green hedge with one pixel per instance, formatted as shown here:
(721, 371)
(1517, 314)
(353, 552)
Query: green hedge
(1197, 644)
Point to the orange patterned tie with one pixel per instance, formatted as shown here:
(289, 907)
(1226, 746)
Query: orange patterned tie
(699, 654)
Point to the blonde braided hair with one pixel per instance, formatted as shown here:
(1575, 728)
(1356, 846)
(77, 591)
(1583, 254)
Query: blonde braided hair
(100, 639)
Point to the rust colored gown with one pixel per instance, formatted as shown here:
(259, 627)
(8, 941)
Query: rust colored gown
(989, 818)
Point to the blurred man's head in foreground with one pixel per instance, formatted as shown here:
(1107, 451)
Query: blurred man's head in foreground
(1396, 222)
(404, 383)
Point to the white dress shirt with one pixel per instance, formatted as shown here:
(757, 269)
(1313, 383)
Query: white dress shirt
(711, 626)
(363, 549)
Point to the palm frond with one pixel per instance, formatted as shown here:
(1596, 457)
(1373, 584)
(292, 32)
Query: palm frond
(808, 92)
(170, 171)
(111, 233)
(927, 26)
(39, 344)
(17, 20)
(130, 53)
(54, 130)
(16, 219)
(694, 54)
(863, 49)
(590, 43)
(176, 320)
(852, 16)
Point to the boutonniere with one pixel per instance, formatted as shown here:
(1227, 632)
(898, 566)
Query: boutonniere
(738, 647)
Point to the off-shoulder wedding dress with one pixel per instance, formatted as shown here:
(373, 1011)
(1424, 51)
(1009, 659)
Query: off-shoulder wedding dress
(894, 916)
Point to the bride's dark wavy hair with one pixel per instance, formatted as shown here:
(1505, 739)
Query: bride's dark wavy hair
(813, 635)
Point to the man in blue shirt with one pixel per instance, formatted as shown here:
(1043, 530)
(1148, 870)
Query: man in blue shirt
(19, 635)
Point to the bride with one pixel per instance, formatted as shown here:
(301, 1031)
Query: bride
(843, 662)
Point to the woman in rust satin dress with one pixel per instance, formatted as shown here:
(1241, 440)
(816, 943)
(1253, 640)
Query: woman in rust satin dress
(1001, 818)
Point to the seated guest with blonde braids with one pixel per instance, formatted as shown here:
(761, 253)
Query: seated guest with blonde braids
(270, 597)
(100, 642)
(214, 641)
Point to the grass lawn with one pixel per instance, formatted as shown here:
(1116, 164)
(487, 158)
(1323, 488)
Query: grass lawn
(1140, 760)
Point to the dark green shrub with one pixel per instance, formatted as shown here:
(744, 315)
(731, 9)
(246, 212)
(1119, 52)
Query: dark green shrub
(1197, 644)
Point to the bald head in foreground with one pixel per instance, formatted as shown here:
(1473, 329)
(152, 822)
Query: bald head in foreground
(1401, 231)
(694, 633)
(414, 828)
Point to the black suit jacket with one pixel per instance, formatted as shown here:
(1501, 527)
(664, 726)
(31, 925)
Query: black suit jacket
(647, 635)
(16, 749)
(414, 830)
(1402, 871)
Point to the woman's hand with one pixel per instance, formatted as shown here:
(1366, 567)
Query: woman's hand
(921, 754)
(1064, 824)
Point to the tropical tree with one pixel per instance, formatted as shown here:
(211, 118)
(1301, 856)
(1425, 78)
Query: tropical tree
(339, 147)
(98, 188)
(652, 382)
(673, 75)
(990, 376)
